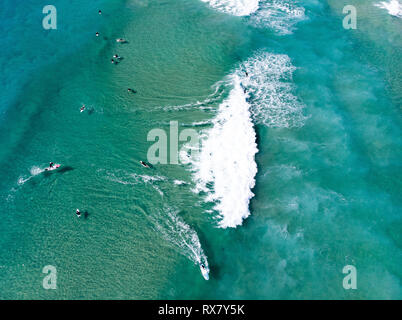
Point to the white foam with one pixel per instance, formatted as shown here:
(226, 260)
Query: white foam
(179, 182)
(393, 7)
(22, 180)
(227, 159)
(235, 7)
(278, 15)
(36, 170)
(271, 89)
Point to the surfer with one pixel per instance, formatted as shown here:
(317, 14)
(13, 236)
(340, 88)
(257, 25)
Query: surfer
(243, 87)
(116, 56)
(144, 164)
(246, 73)
(131, 90)
(204, 271)
(97, 34)
(100, 11)
(112, 61)
(121, 40)
(51, 165)
(78, 213)
(82, 108)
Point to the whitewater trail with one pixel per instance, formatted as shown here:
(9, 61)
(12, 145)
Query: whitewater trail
(34, 172)
(173, 229)
(166, 222)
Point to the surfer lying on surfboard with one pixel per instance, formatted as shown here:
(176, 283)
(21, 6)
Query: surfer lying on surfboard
(144, 164)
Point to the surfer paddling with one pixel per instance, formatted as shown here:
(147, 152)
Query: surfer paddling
(144, 164)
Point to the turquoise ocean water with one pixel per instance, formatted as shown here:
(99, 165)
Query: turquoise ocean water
(299, 173)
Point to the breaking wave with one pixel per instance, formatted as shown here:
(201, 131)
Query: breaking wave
(278, 15)
(225, 169)
(393, 7)
(226, 166)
